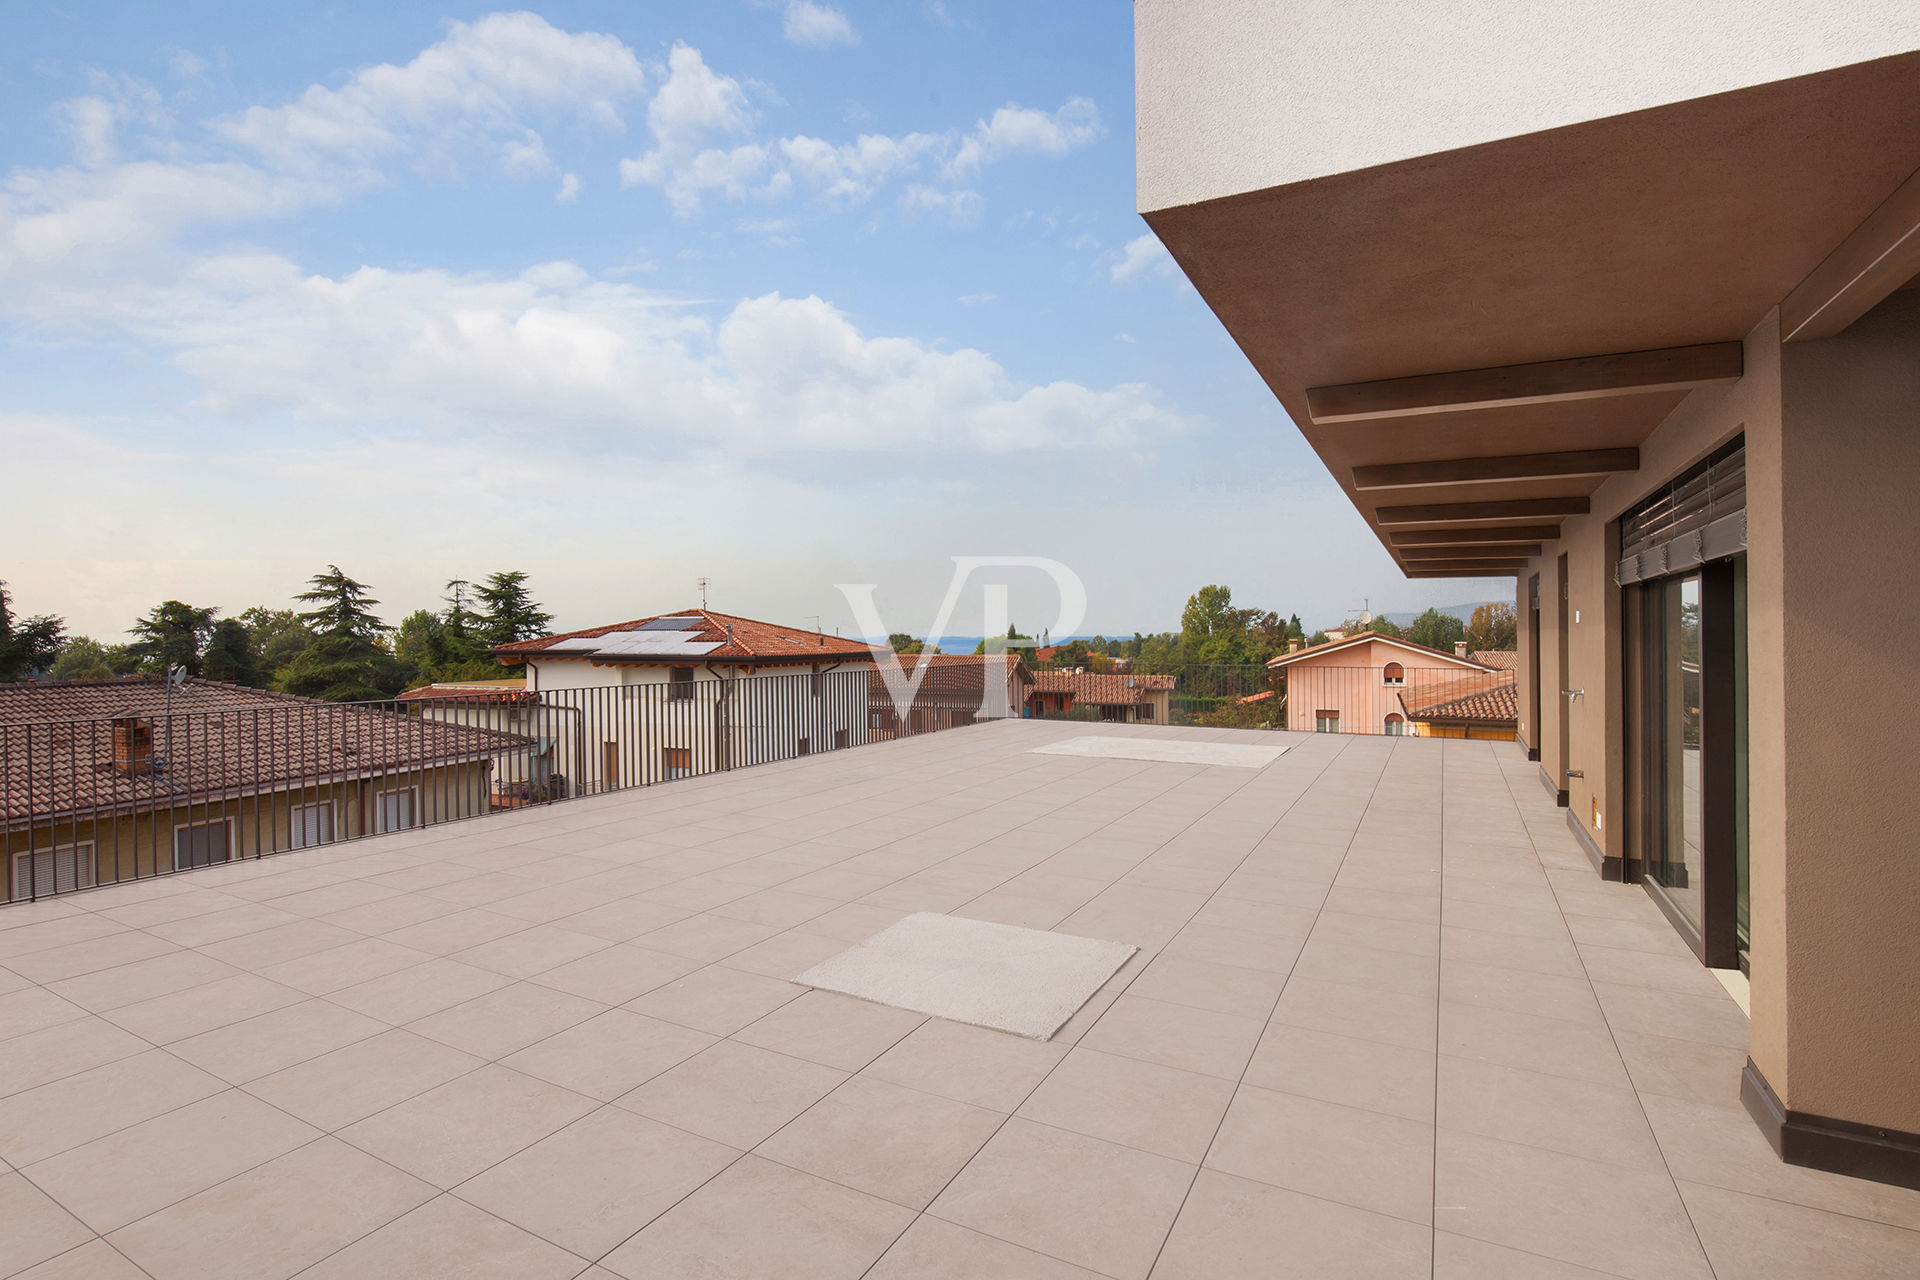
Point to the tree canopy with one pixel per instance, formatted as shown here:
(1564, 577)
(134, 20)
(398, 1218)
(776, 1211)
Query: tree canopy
(1493, 626)
(29, 645)
(173, 634)
(509, 610)
(1437, 630)
(342, 607)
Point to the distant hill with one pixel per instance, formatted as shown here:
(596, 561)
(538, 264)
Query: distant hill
(1464, 612)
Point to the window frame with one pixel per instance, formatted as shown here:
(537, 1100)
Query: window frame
(412, 792)
(1390, 680)
(20, 855)
(1326, 721)
(226, 822)
(680, 688)
(294, 833)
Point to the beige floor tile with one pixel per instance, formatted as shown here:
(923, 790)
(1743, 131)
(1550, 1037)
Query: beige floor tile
(255, 951)
(968, 1064)
(34, 1009)
(624, 920)
(78, 958)
(1722, 1147)
(389, 914)
(53, 1053)
(1683, 1068)
(1713, 1019)
(95, 1260)
(126, 1175)
(456, 931)
(1329, 960)
(763, 1221)
(717, 999)
(452, 1132)
(1175, 1035)
(501, 1022)
(1600, 1122)
(934, 1249)
(609, 1055)
(1606, 1217)
(275, 1220)
(1759, 1239)
(1095, 1204)
(37, 1228)
(733, 1093)
(448, 1239)
(1519, 991)
(1384, 1016)
(274, 1041)
(352, 1083)
(884, 1139)
(90, 1104)
(786, 955)
(1371, 1161)
(426, 988)
(1464, 1258)
(616, 974)
(1268, 952)
(1235, 1229)
(1555, 956)
(855, 921)
(1138, 1104)
(1223, 988)
(533, 950)
(1392, 1079)
(1552, 1046)
(831, 1029)
(599, 1180)
(131, 983)
(706, 937)
(194, 1010)
(344, 966)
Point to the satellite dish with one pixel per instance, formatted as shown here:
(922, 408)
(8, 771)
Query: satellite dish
(176, 676)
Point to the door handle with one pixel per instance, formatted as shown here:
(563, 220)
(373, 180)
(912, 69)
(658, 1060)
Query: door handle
(1573, 693)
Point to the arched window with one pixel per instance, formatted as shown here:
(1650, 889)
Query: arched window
(1396, 725)
(1393, 673)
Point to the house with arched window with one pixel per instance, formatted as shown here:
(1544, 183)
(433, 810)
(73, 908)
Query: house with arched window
(1373, 683)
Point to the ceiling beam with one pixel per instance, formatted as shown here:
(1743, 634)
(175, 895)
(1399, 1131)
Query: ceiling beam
(1481, 533)
(1629, 373)
(1460, 512)
(1879, 256)
(1469, 569)
(1471, 551)
(1516, 466)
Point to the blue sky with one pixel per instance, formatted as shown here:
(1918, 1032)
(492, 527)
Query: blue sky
(782, 293)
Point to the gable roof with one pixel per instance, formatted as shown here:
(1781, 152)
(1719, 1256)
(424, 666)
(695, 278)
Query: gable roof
(497, 691)
(1425, 651)
(1469, 700)
(1101, 689)
(718, 637)
(962, 675)
(1498, 659)
(56, 744)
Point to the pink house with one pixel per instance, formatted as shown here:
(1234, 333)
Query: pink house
(1363, 683)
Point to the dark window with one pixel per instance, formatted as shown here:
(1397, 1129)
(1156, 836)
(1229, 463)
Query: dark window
(1393, 673)
(680, 685)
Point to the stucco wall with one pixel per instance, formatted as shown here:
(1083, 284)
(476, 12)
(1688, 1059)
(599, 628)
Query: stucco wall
(1351, 681)
(1850, 458)
(1238, 95)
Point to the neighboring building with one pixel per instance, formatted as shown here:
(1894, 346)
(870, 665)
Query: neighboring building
(954, 689)
(1356, 684)
(1109, 696)
(1476, 706)
(686, 693)
(1616, 301)
(525, 776)
(104, 780)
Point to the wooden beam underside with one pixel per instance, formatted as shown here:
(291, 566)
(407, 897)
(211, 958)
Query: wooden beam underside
(1471, 551)
(1629, 373)
(1880, 255)
(1484, 533)
(1492, 569)
(1518, 466)
(1462, 512)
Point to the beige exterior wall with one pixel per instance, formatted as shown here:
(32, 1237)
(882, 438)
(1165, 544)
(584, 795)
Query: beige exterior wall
(1352, 682)
(1832, 432)
(1241, 95)
(129, 846)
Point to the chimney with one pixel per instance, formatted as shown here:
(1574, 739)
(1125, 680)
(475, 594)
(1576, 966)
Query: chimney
(132, 745)
(1293, 644)
(1459, 648)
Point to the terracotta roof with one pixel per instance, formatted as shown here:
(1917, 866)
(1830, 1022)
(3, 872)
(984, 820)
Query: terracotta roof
(750, 640)
(56, 744)
(1100, 689)
(1498, 659)
(501, 691)
(953, 674)
(1476, 700)
(1262, 696)
(1361, 638)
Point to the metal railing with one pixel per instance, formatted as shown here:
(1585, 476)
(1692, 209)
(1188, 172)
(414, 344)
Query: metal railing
(231, 773)
(1397, 698)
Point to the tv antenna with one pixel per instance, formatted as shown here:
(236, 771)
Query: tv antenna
(703, 583)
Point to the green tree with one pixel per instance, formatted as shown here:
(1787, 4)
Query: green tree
(1437, 630)
(84, 658)
(1013, 643)
(341, 607)
(1381, 626)
(1294, 630)
(229, 655)
(1493, 626)
(276, 637)
(901, 642)
(30, 645)
(1318, 637)
(173, 634)
(509, 610)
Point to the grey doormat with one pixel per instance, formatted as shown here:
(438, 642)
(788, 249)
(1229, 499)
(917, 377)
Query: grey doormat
(1027, 981)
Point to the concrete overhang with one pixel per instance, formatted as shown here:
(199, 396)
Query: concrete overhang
(1548, 279)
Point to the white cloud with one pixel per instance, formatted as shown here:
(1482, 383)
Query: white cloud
(817, 26)
(702, 124)
(1143, 255)
(469, 93)
(569, 188)
(93, 122)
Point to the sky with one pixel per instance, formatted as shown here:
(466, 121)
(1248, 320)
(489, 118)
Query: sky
(779, 293)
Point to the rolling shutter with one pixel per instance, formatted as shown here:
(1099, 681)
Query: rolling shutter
(1701, 516)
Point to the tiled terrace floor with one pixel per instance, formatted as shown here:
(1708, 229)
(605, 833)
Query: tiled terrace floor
(1386, 1023)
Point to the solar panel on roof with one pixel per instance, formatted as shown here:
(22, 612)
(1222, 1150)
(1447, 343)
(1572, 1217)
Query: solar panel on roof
(670, 624)
(641, 643)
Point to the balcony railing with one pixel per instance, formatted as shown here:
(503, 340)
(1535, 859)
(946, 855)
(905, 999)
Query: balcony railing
(228, 773)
